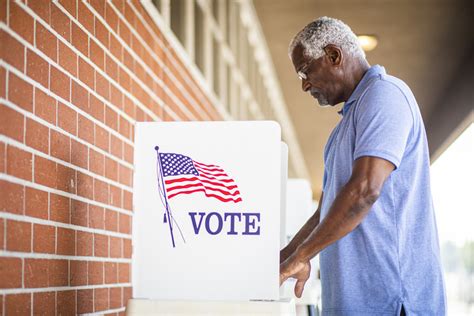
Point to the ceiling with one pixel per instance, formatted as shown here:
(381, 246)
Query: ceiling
(421, 42)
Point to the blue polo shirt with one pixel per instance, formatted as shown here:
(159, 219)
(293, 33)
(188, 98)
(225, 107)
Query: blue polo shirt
(392, 257)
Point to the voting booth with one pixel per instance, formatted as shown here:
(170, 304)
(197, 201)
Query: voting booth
(207, 216)
(299, 208)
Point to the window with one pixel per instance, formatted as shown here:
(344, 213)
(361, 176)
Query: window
(177, 19)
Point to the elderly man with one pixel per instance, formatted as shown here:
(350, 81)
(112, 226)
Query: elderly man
(375, 226)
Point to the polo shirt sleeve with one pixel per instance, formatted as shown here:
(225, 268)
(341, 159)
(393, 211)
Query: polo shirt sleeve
(383, 122)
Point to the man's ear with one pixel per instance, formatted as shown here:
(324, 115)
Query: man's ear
(334, 54)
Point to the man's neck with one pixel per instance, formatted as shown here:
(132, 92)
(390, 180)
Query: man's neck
(353, 75)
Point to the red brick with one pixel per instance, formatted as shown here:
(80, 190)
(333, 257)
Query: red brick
(111, 169)
(3, 83)
(44, 303)
(96, 217)
(36, 203)
(128, 153)
(111, 68)
(60, 23)
(86, 73)
(127, 200)
(20, 92)
(111, 118)
(19, 163)
(102, 86)
(86, 129)
(125, 223)
(67, 118)
(115, 196)
(116, 146)
(18, 304)
(125, 175)
(115, 297)
(96, 272)
(111, 220)
(44, 238)
(2, 234)
(127, 248)
(85, 17)
(12, 51)
(111, 17)
(70, 6)
(11, 197)
(124, 32)
(66, 242)
(111, 272)
(126, 294)
(101, 245)
(96, 162)
(37, 136)
(115, 47)
(11, 123)
(18, 236)
(79, 96)
(115, 247)
(101, 33)
(60, 145)
(45, 172)
(21, 22)
(66, 302)
(78, 273)
(36, 273)
(10, 272)
(79, 213)
(58, 273)
(97, 108)
(46, 42)
(99, 6)
(79, 154)
(37, 68)
(60, 83)
(42, 8)
(80, 39)
(67, 59)
(85, 185)
(102, 138)
(84, 243)
(101, 191)
(96, 54)
(85, 301)
(124, 273)
(3, 164)
(3, 18)
(59, 208)
(65, 179)
(101, 299)
(45, 106)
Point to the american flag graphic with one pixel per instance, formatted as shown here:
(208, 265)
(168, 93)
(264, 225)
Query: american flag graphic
(183, 175)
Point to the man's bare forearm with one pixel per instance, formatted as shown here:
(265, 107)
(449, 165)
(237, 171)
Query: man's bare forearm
(303, 233)
(347, 211)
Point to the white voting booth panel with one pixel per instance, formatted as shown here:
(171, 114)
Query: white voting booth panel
(299, 208)
(207, 211)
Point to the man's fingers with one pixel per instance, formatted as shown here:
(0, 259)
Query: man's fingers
(299, 287)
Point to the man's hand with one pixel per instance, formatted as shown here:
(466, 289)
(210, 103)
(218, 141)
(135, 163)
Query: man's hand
(298, 269)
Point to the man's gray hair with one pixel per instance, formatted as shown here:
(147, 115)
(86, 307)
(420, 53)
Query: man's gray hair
(323, 31)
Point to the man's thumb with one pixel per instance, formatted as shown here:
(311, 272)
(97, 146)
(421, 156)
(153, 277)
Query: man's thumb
(299, 287)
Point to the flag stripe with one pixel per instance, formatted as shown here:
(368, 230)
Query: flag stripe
(208, 195)
(230, 187)
(193, 185)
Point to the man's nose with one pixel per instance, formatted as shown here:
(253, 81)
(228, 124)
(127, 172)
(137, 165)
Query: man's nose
(305, 85)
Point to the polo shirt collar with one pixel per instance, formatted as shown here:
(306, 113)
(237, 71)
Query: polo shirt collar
(372, 72)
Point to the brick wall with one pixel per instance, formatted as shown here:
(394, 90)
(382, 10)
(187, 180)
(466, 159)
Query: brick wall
(74, 78)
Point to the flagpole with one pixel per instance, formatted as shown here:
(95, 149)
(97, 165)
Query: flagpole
(164, 194)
